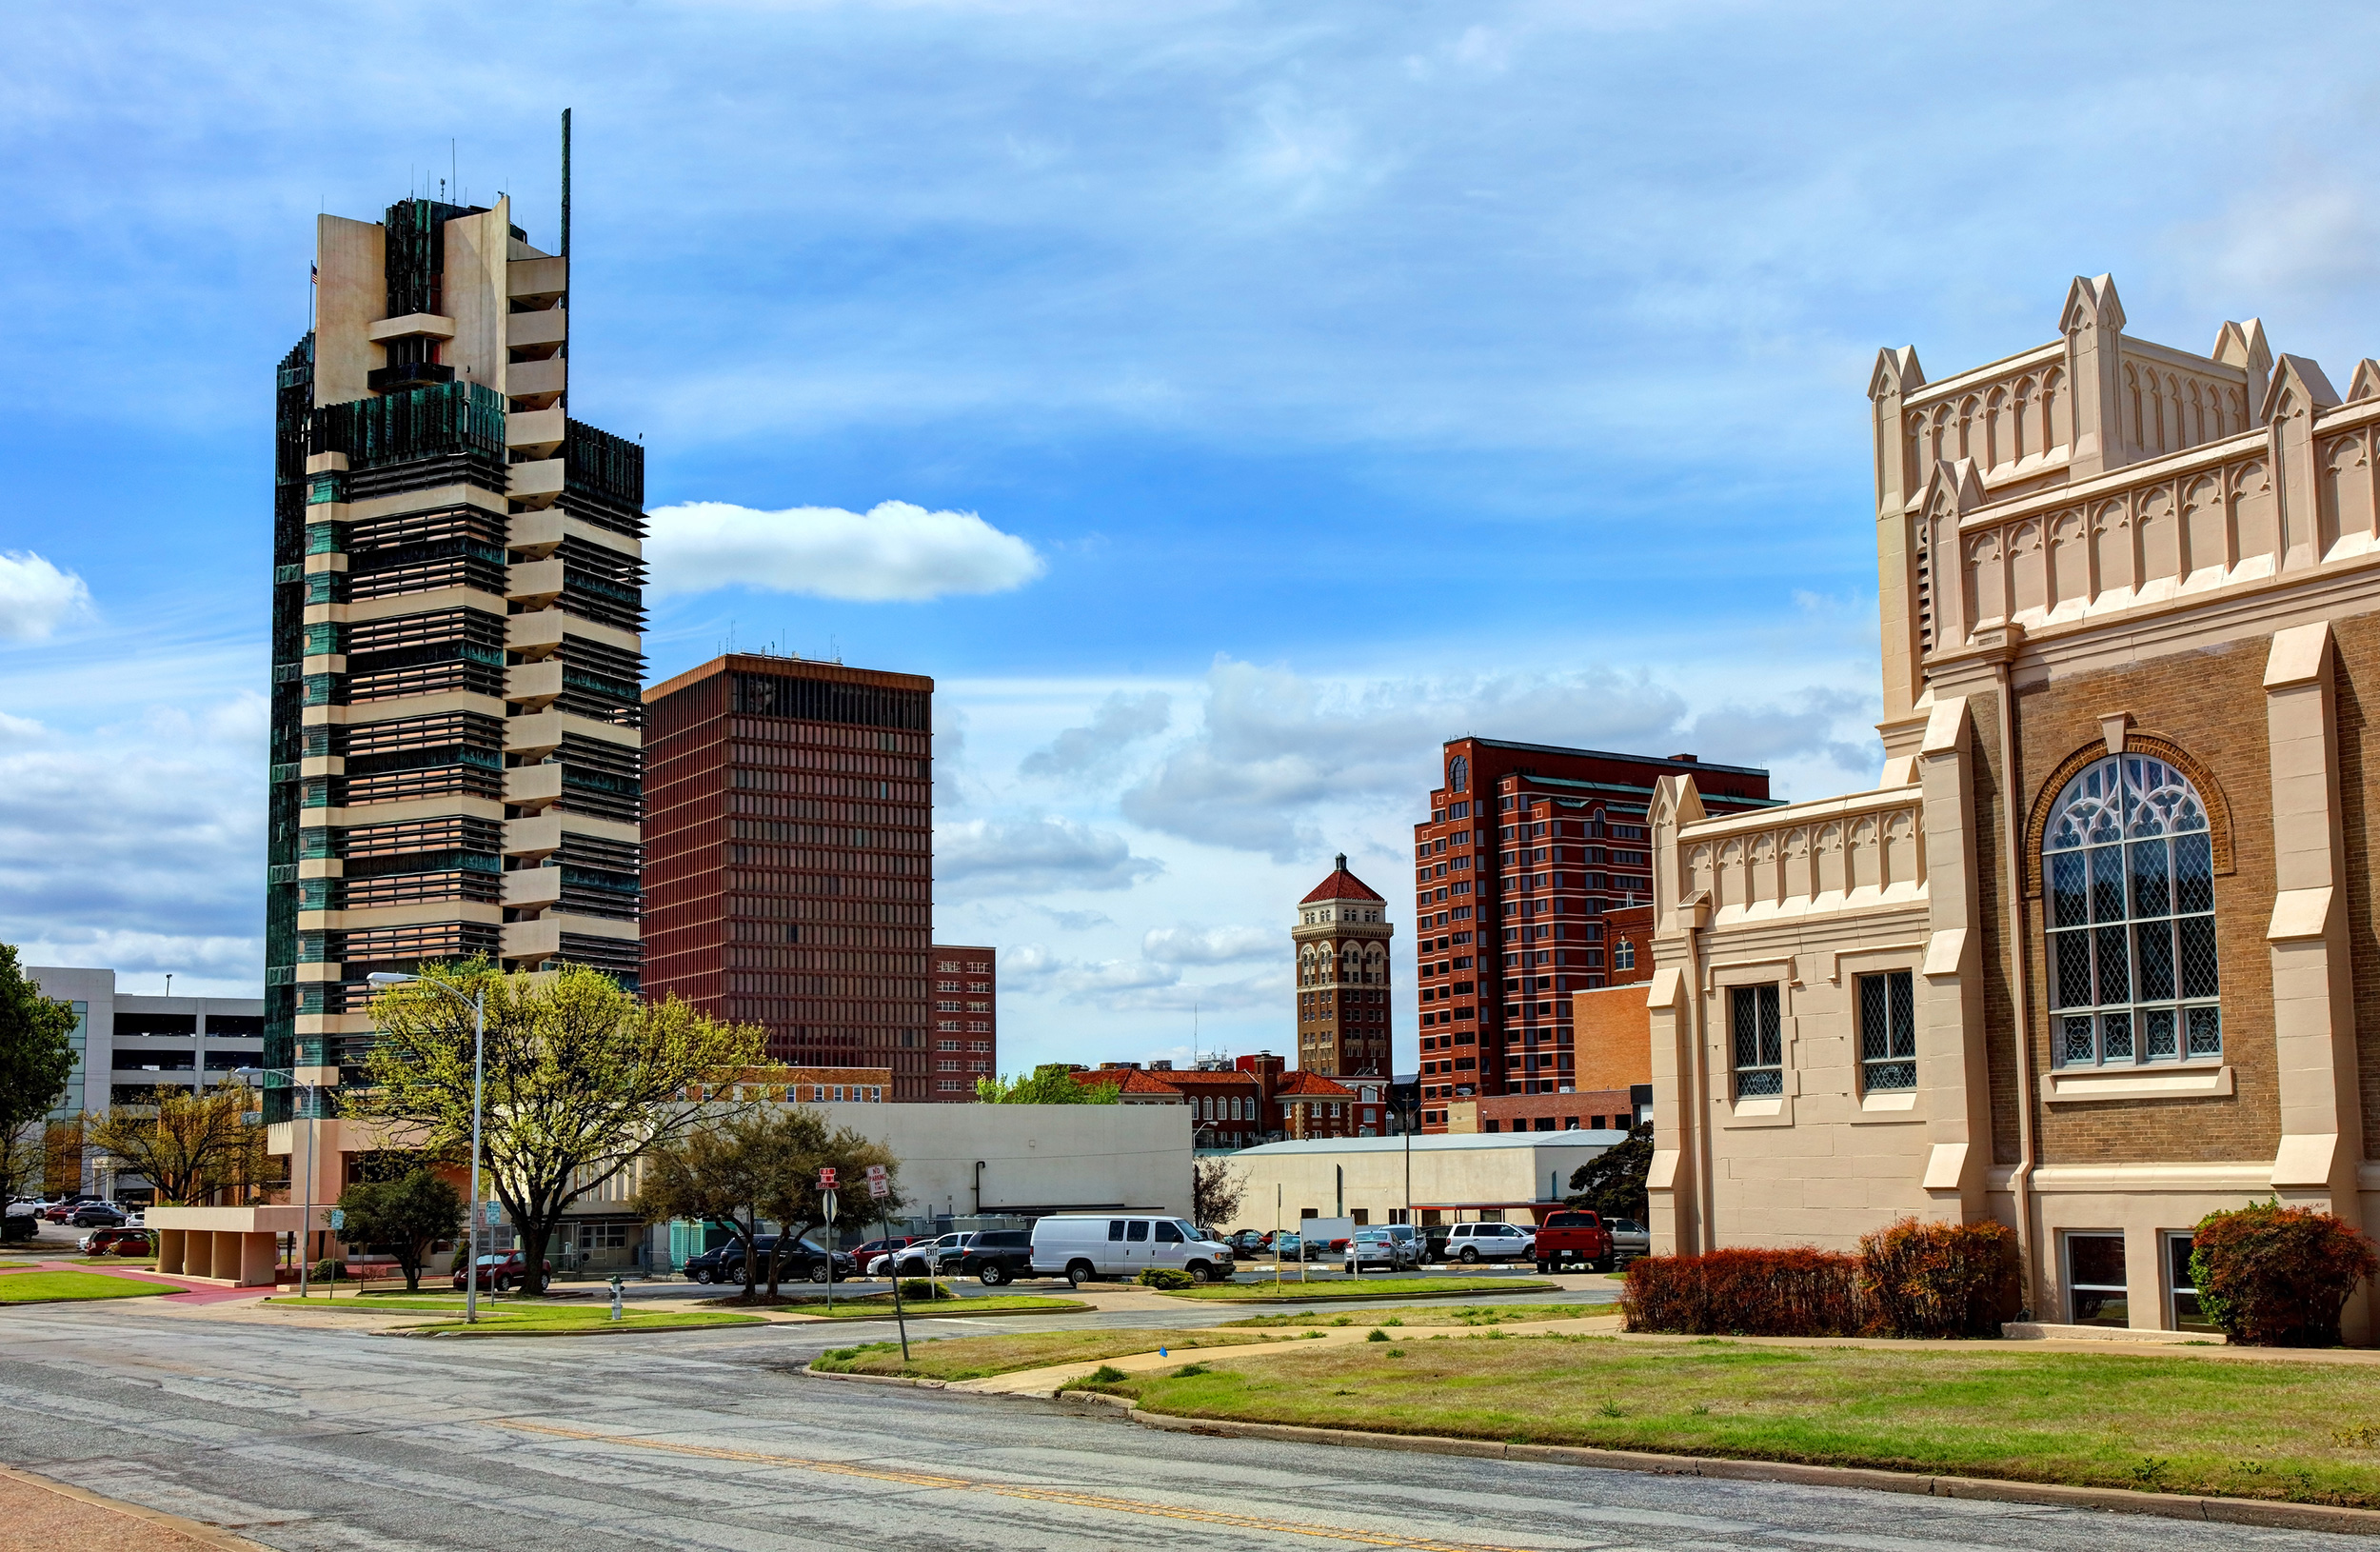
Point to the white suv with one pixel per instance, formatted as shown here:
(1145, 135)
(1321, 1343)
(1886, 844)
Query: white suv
(1474, 1242)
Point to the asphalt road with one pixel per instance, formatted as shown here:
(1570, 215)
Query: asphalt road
(308, 1439)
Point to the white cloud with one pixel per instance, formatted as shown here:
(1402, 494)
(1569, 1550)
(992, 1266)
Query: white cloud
(894, 552)
(981, 857)
(1275, 749)
(141, 846)
(36, 597)
(1211, 945)
(1121, 722)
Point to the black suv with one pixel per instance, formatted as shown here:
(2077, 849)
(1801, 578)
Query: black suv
(805, 1260)
(993, 1256)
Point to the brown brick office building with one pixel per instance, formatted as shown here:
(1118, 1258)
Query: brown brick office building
(1344, 1024)
(790, 870)
(1527, 851)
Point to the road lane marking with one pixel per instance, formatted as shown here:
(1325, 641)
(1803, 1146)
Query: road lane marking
(1046, 1495)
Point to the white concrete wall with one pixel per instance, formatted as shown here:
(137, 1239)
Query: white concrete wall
(1036, 1157)
(1447, 1172)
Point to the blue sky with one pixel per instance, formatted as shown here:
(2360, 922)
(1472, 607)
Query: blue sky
(1270, 393)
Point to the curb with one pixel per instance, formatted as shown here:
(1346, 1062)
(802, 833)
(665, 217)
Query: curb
(1360, 1298)
(2234, 1511)
(195, 1530)
(605, 1329)
(917, 1314)
(876, 1379)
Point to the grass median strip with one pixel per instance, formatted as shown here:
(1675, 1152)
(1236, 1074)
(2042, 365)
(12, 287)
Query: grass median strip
(1265, 1291)
(879, 1307)
(58, 1287)
(979, 1357)
(588, 1322)
(2303, 1432)
(1457, 1315)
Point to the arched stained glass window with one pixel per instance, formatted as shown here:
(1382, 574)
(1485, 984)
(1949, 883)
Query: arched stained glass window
(1459, 774)
(2129, 865)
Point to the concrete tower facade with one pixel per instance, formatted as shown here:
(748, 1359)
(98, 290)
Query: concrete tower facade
(457, 573)
(1343, 1009)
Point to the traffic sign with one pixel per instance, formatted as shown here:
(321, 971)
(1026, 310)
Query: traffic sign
(495, 1215)
(877, 1187)
(827, 1177)
(338, 1218)
(826, 1205)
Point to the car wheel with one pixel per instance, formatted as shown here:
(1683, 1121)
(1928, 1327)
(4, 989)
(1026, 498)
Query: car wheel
(1200, 1273)
(1080, 1273)
(703, 1275)
(502, 1284)
(993, 1275)
(1544, 1266)
(818, 1273)
(1471, 1255)
(1603, 1266)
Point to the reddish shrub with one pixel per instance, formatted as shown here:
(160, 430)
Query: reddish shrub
(1747, 1293)
(2278, 1277)
(1940, 1280)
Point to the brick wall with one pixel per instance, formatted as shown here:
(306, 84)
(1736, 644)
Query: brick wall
(2210, 703)
(1614, 1034)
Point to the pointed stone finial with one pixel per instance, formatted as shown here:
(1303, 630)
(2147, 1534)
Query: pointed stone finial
(1895, 370)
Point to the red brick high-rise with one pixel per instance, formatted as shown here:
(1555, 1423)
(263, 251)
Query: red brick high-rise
(789, 864)
(1344, 1027)
(1526, 847)
(966, 1019)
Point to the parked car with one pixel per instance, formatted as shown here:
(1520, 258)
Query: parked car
(126, 1241)
(97, 1214)
(501, 1272)
(1630, 1238)
(1576, 1235)
(1248, 1241)
(993, 1256)
(1081, 1246)
(867, 1250)
(62, 1209)
(1288, 1247)
(919, 1256)
(1378, 1247)
(1473, 1242)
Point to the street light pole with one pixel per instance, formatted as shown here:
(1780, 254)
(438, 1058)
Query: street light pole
(478, 1083)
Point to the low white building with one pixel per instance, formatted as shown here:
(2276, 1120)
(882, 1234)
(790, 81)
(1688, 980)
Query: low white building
(974, 1161)
(1485, 1177)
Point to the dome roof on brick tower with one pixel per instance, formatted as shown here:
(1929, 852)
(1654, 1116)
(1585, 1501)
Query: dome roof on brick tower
(1342, 884)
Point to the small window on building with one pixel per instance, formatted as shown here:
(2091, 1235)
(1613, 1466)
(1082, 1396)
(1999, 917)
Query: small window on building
(1623, 955)
(2095, 1290)
(2182, 1286)
(1888, 1032)
(1359, 1216)
(1757, 1030)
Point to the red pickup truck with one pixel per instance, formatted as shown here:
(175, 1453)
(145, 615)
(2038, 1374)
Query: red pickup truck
(1575, 1235)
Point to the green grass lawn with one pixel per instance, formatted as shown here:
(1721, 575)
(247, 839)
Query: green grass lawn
(548, 1319)
(977, 1357)
(1434, 1315)
(879, 1307)
(42, 1287)
(1263, 1290)
(2304, 1431)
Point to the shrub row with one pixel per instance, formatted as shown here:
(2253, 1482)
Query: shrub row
(1910, 1280)
(2272, 1275)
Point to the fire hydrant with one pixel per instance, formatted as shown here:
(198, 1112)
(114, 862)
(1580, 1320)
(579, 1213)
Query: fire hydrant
(615, 1296)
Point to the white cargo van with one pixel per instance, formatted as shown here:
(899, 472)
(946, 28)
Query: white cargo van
(1081, 1245)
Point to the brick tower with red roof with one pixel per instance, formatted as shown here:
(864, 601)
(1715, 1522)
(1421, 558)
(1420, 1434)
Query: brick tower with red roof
(1343, 1009)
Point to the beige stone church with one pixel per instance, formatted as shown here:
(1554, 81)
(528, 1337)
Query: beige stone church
(2095, 957)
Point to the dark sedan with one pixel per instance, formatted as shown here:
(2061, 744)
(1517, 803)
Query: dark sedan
(993, 1256)
(806, 1261)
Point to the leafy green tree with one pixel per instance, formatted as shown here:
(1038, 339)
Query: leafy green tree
(746, 1170)
(792, 1197)
(1611, 1183)
(1216, 1192)
(1053, 1082)
(191, 1145)
(410, 1214)
(36, 1059)
(582, 1079)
